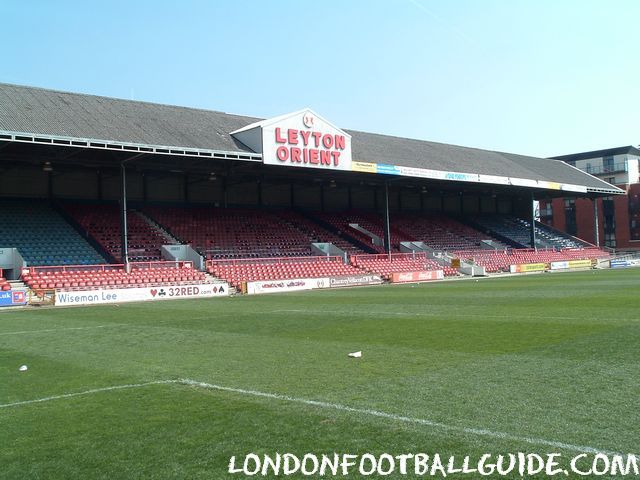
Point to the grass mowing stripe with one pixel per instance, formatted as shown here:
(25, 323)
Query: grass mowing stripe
(391, 416)
(87, 392)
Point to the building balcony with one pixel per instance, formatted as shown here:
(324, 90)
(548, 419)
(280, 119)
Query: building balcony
(603, 169)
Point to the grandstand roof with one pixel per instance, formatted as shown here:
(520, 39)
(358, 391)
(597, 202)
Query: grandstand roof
(41, 112)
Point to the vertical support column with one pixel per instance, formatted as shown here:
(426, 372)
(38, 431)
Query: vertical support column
(387, 227)
(123, 218)
(533, 222)
(596, 226)
(292, 195)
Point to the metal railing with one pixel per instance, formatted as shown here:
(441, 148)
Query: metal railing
(600, 169)
(111, 267)
(273, 260)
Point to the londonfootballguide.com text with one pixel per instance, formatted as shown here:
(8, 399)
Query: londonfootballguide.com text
(435, 465)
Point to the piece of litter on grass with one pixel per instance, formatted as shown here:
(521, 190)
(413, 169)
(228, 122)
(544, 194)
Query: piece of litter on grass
(23, 368)
(355, 354)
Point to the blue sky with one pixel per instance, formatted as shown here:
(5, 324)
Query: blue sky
(535, 77)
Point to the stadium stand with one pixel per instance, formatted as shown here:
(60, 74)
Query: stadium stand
(42, 236)
(101, 221)
(384, 265)
(141, 274)
(238, 271)
(499, 261)
(316, 232)
(369, 221)
(244, 232)
(232, 232)
(439, 231)
(518, 231)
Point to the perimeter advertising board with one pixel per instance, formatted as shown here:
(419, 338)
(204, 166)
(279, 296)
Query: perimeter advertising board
(625, 263)
(567, 264)
(355, 280)
(424, 276)
(13, 298)
(529, 267)
(289, 285)
(118, 295)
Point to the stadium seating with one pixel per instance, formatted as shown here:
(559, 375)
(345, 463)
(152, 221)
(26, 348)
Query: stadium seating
(385, 265)
(239, 271)
(499, 261)
(42, 236)
(519, 231)
(316, 232)
(439, 231)
(369, 221)
(102, 222)
(112, 276)
(4, 284)
(243, 232)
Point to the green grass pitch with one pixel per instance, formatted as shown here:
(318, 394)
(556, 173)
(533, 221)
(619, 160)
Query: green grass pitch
(549, 358)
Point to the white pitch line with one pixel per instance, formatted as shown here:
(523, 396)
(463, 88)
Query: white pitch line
(22, 332)
(333, 406)
(391, 416)
(87, 392)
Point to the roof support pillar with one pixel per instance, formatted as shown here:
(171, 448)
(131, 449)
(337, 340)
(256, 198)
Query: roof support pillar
(124, 251)
(123, 212)
(387, 227)
(596, 226)
(533, 222)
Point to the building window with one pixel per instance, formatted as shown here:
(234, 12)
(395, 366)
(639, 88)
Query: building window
(609, 223)
(607, 164)
(610, 240)
(546, 210)
(570, 216)
(611, 180)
